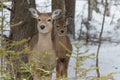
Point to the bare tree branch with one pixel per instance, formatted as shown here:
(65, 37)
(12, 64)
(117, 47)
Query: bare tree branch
(100, 38)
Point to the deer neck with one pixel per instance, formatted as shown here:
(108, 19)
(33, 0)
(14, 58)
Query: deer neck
(46, 38)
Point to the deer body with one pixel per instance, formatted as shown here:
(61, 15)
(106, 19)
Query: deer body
(43, 56)
(60, 36)
(39, 48)
(61, 52)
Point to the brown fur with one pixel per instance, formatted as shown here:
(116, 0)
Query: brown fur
(63, 59)
(40, 44)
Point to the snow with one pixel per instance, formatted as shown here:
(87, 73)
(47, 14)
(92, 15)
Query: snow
(6, 14)
(43, 6)
(109, 58)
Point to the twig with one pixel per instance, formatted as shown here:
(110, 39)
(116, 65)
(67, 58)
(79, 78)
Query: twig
(4, 6)
(17, 24)
(12, 70)
(64, 47)
(100, 38)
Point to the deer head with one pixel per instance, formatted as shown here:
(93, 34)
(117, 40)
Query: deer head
(60, 27)
(44, 20)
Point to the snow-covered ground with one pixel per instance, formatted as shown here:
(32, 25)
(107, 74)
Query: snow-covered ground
(109, 53)
(109, 60)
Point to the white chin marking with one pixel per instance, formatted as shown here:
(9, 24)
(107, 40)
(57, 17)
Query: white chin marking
(61, 34)
(43, 31)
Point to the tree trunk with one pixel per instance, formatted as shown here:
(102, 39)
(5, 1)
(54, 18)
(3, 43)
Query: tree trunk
(70, 12)
(22, 25)
(108, 4)
(88, 19)
(58, 4)
(94, 6)
(22, 17)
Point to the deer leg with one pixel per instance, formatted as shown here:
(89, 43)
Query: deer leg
(61, 68)
(58, 74)
(66, 64)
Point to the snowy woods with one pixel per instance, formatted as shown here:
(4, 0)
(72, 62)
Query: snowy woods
(93, 29)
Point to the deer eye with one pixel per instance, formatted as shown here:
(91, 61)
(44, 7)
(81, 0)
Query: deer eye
(49, 20)
(57, 26)
(39, 19)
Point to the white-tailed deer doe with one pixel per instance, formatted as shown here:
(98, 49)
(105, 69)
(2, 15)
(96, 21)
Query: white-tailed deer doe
(63, 54)
(44, 57)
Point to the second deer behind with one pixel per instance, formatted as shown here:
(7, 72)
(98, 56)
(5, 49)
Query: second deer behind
(63, 47)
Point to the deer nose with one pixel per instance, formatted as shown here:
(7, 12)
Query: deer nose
(62, 31)
(42, 26)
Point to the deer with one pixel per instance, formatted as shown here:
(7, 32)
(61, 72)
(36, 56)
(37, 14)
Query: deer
(63, 54)
(43, 55)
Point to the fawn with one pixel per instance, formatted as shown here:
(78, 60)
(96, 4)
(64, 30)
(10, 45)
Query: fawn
(43, 56)
(63, 55)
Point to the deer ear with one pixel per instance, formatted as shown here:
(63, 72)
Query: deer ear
(56, 13)
(34, 12)
(68, 20)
